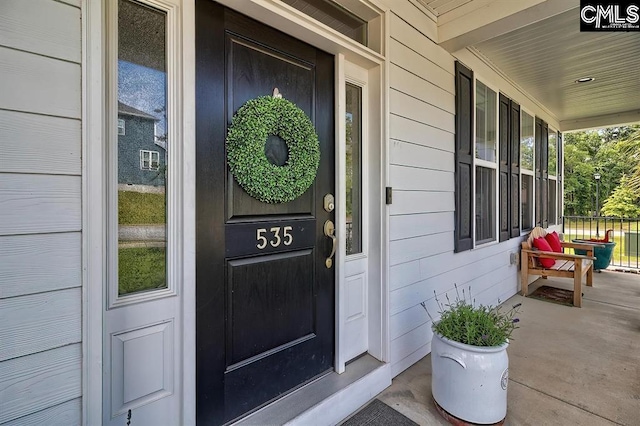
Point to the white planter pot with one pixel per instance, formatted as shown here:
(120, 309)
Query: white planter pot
(470, 382)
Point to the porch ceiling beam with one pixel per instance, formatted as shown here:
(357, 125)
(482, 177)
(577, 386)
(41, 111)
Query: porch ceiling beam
(609, 120)
(484, 19)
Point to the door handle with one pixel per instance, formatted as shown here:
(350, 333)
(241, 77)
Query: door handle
(330, 231)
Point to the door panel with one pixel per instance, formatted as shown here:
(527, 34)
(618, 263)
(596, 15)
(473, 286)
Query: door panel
(266, 317)
(264, 297)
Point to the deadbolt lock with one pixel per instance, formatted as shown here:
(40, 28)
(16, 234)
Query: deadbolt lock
(329, 203)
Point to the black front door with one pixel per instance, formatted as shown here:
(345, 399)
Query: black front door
(264, 296)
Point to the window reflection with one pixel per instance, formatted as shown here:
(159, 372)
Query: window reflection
(142, 148)
(354, 168)
(486, 107)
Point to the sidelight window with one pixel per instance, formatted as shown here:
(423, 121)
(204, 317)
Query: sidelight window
(353, 176)
(140, 167)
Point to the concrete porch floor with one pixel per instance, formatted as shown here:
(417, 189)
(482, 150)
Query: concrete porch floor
(567, 366)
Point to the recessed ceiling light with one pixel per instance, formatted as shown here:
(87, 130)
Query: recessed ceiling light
(585, 79)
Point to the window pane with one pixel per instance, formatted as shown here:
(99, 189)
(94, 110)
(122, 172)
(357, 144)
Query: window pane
(354, 168)
(553, 153)
(486, 110)
(552, 201)
(142, 155)
(526, 142)
(485, 204)
(527, 202)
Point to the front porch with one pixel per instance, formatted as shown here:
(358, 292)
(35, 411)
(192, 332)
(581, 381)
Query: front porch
(567, 365)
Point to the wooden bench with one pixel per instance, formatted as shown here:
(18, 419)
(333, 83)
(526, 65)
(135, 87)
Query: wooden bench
(567, 265)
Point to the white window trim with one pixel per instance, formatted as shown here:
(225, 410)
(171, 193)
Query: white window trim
(477, 162)
(151, 154)
(359, 77)
(175, 237)
(121, 127)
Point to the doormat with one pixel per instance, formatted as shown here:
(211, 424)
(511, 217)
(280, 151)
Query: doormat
(377, 413)
(554, 295)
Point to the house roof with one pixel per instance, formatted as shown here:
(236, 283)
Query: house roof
(124, 109)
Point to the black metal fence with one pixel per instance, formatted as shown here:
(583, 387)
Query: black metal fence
(624, 232)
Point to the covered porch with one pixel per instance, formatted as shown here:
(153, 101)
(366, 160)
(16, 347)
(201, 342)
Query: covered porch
(566, 365)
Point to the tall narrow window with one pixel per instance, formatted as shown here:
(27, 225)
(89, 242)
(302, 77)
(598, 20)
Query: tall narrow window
(353, 176)
(141, 160)
(527, 142)
(486, 163)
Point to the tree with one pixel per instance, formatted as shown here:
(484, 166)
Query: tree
(623, 202)
(612, 152)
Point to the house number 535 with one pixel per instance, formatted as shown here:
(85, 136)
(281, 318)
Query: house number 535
(276, 239)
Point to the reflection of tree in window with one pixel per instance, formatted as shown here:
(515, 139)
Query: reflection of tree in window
(142, 151)
(353, 178)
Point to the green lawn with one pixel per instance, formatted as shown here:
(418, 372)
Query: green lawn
(135, 208)
(141, 269)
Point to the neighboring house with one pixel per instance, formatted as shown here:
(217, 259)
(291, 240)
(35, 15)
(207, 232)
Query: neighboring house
(455, 152)
(141, 158)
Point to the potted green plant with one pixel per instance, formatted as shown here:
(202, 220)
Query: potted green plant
(469, 361)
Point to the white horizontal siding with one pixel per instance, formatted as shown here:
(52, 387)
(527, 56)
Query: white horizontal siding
(34, 83)
(75, 3)
(408, 130)
(32, 383)
(420, 111)
(411, 202)
(403, 29)
(414, 155)
(421, 223)
(38, 263)
(407, 226)
(409, 83)
(40, 322)
(418, 247)
(65, 414)
(418, 179)
(448, 271)
(39, 203)
(34, 143)
(406, 362)
(410, 60)
(53, 31)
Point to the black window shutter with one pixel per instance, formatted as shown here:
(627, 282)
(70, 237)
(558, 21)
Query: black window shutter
(514, 169)
(538, 170)
(544, 156)
(560, 167)
(463, 233)
(503, 168)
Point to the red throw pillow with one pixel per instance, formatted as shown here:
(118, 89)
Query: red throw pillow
(542, 244)
(554, 241)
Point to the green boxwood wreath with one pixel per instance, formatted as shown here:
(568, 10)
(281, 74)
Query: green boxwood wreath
(250, 127)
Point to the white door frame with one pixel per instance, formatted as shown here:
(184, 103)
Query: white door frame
(94, 216)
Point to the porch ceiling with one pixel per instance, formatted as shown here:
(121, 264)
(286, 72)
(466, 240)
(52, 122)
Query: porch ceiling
(537, 44)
